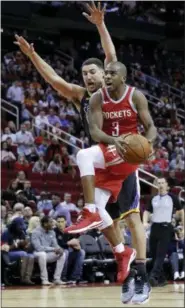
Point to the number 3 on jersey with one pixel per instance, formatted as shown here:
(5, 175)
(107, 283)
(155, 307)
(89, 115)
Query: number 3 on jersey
(115, 129)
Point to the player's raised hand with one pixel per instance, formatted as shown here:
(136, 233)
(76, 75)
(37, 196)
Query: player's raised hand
(24, 46)
(96, 14)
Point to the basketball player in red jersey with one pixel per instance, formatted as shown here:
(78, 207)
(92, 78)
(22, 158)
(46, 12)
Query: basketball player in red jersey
(114, 111)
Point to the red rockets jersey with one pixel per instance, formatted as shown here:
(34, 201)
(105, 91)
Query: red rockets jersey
(119, 117)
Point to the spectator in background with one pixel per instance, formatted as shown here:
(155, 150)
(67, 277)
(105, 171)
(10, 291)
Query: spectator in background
(25, 141)
(46, 250)
(59, 210)
(22, 164)
(70, 110)
(3, 218)
(42, 148)
(73, 268)
(30, 98)
(44, 205)
(20, 179)
(172, 180)
(33, 223)
(159, 163)
(6, 154)
(29, 192)
(16, 95)
(176, 254)
(80, 204)
(20, 197)
(52, 118)
(25, 115)
(55, 165)
(11, 191)
(68, 204)
(12, 127)
(65, 159)
(15, 237)
(53, 148)
(177, 163)
(40, 166)
(18, 209)
(56, 130)
(7, 134)
(41, 121)
(27, 214)
(64, 123)
(43, 103)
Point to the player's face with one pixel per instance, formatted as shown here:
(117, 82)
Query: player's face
(113, 78)
(93, 77)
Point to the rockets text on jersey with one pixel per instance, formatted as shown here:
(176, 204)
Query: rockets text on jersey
(119, 117)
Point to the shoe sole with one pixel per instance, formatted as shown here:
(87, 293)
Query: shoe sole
(144, 302)
(93, 225)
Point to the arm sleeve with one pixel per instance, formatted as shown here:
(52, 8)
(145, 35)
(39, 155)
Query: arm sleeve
(176, 203)
(54, 241)
(149, 207)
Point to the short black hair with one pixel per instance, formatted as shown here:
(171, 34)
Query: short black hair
(61, 216)
(95, 61)
(120, 66)
(45, 220)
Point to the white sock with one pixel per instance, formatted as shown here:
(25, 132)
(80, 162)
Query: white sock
(91, 207)
(119, 248)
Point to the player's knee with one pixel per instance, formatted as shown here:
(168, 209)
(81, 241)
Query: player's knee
(133, 220)
(116, 224)
(81, 157)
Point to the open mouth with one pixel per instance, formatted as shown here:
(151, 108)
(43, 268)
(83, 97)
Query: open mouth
(90, 84)
(108, 84)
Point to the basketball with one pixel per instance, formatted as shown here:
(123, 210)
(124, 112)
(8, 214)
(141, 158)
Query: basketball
(137, 150)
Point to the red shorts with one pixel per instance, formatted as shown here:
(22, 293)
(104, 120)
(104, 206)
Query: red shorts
(115, 173)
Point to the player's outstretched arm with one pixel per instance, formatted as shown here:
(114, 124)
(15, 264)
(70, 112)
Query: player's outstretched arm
(66, 89)
(146, 120)
(97, 17)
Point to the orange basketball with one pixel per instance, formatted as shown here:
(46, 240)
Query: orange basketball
(137, 150)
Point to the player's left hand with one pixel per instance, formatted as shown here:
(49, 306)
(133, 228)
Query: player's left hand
(152, 152)
(96, 16)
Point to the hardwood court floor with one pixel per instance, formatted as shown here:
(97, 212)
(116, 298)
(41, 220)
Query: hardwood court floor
(95, 296)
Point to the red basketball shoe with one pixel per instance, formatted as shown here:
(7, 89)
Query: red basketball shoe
(85, 221)
(124, 260)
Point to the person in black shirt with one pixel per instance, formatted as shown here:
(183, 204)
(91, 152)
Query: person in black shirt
(73, 268)
(162, 207)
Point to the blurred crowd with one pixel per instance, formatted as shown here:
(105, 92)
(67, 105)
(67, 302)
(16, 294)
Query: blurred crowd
(38, 148)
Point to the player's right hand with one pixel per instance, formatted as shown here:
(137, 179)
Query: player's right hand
(96, 16)
(24, 46)
(120, 143)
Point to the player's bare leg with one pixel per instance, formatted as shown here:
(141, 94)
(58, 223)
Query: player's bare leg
(142, 288)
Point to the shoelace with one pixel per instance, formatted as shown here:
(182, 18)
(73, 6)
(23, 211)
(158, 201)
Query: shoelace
(139, 286)
(80, 217)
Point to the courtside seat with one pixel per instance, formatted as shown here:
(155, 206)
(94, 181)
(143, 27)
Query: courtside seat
(35, 176)
(92, 249)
